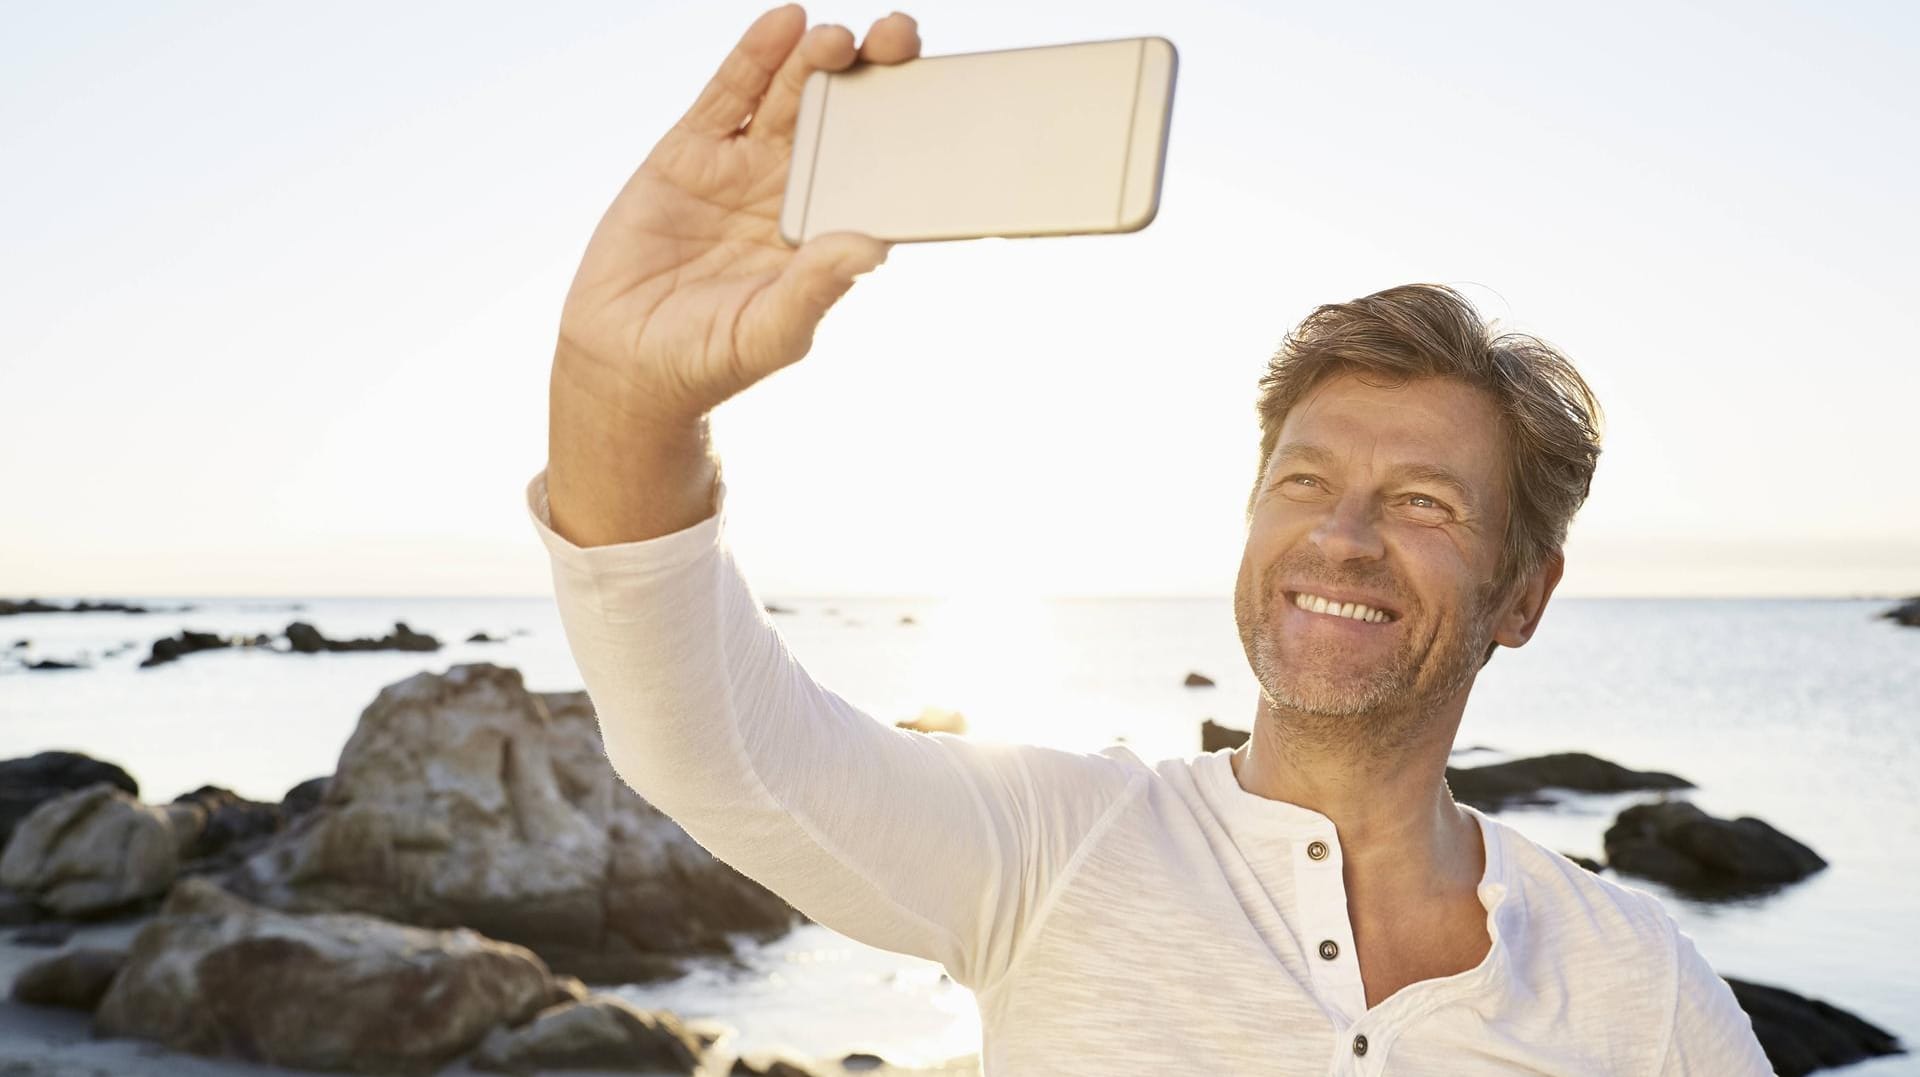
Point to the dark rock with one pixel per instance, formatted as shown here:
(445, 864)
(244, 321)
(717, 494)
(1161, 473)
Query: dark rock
(10, 607)
(22, 643)
(482, 637)
(54, 663)
(303, 798)
(861, 1060)
(1198, 680)
(26, 782)
(600, 1032)
(1801, 1035)
(51, 933)
(76, 979)
(1499, 785)
(17, 909)
(1586, 862)
(214, 975)
(226, 830)
(1214, 737)
(772, 1067)
(306, 639)
(772, 607)
(1906, 613)
(187, 642)
(1677, 843)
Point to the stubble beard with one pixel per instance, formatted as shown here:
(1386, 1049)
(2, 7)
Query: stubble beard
(1319, 701)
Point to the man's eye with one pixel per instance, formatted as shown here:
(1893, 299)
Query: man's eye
(1431, 501)
(1290, 478)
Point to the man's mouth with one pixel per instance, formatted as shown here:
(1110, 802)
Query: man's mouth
(1353, 611)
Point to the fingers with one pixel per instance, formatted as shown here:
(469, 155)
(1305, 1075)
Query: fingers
(829, 47)
(734, 91)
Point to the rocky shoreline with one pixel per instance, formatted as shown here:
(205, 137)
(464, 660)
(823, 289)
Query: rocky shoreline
(448, 899)
(441, 903)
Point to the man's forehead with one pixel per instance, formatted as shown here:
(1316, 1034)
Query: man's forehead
(1433, 423)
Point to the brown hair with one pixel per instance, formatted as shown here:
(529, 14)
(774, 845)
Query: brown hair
(1550, 420)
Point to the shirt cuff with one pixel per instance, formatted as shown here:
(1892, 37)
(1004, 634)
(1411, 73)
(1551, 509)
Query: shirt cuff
(661, 554)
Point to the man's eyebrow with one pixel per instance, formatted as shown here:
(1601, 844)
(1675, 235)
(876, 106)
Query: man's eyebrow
(1321, 456)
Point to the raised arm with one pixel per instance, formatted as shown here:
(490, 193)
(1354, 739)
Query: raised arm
(926, 844)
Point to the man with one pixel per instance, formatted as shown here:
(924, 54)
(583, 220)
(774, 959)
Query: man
(1311, 903)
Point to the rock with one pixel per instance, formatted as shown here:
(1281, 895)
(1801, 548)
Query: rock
(1906, 613)
(76, 979)
(303, 798)
(773, 1067)
(52, 933)
(28, 782)
(10, 607)
(600, 1032)
(861, 1060)
(91, 852)
(1677, 843)
(907, 619)
(1197, 680)
(935, 720)
(306, 639)
(1499, 785)
(465, 799)
(52, 663)
(1586, 862)
(187, 642)
(482, 637)
(774, 608)
(17, 908)
(225, 829)
(1801, 1035)
(23, 643)
(214, 975)
(1214, 737)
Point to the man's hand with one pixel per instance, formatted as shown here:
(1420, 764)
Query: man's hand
(687, 294)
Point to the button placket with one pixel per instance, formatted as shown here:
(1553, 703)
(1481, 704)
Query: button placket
(1324, 923)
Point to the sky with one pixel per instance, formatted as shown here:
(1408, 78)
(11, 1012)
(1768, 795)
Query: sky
(279, 286)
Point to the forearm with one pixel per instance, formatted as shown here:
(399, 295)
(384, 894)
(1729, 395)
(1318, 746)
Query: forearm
(617, 473)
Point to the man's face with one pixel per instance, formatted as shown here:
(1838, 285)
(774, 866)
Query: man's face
(1345, 510)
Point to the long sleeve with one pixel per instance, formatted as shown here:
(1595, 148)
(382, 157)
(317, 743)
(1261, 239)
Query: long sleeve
(925, 844)
(1712, 1036)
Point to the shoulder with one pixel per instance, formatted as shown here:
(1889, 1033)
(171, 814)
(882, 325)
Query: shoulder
(1580, 909)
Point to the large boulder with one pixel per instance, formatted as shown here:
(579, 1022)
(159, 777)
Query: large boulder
(1677, 843)
(215, 975)
(1801, 1035)
(600, 1032)
(464, 799)
(1520, 781)
(92, 852)
(28, 782)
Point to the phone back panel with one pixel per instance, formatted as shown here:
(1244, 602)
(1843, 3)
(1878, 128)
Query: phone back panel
(1053, 140)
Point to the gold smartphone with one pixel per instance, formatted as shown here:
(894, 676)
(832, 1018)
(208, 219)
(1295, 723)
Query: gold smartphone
(1045, 141)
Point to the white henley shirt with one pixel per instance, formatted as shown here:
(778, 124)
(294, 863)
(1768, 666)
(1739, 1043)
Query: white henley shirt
(1111, 916)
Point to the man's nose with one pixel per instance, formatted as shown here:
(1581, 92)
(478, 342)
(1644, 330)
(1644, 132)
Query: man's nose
(1349, 531)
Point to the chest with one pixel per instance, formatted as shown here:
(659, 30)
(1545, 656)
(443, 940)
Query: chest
(1400, 948)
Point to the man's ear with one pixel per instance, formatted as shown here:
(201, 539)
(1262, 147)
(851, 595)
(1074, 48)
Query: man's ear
(1522, 614)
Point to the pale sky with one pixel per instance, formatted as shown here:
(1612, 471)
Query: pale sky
(279, 286)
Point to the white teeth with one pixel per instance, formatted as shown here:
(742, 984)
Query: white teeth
(1351, 610)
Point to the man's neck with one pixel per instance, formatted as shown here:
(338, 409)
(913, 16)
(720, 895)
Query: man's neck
(1402, 838)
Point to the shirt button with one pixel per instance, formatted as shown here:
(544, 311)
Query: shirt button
(1359, 1045)
(1329, 949)
(1317, 850)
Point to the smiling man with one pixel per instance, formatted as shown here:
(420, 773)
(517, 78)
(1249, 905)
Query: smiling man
(1312, 903)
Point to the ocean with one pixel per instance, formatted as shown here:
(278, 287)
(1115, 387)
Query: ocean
(1804, 713)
